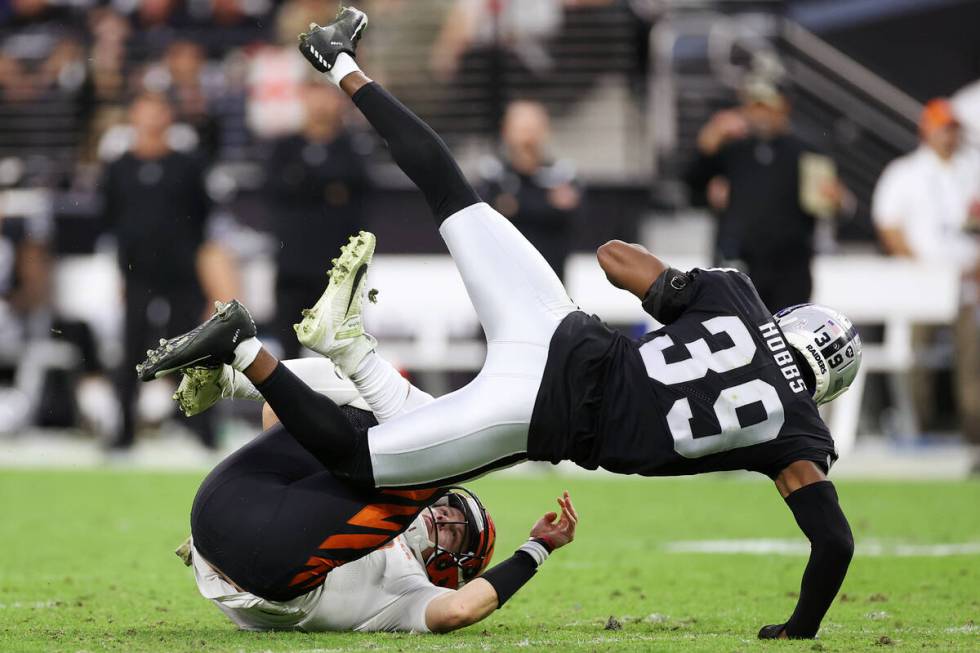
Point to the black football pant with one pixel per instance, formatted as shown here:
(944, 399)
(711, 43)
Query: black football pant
(274, 521)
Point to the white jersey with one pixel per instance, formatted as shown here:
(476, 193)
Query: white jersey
(387, 590)
(929, 200)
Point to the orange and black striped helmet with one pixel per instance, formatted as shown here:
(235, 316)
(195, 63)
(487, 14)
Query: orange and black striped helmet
(450, 569)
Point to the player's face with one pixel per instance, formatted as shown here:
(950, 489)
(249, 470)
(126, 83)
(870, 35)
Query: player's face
(446, 526)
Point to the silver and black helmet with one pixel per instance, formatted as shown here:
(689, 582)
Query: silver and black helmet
(828, 342)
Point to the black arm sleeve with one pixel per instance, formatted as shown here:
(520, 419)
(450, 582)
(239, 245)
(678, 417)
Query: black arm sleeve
(418, 151)
(510, 575)
(320, 426)
(819, 516)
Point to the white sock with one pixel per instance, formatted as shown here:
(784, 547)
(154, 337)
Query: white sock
(387, 392)
(238, 386)
(344, 66)
(322, 375)
(318, 373)
(245, 353)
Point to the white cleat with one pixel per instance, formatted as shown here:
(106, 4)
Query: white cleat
(334, 327)
(202, 387)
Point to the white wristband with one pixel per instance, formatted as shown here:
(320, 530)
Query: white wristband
(536, 550)
(342, 67)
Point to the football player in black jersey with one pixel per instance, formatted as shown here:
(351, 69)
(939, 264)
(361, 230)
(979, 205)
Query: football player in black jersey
(723, 385)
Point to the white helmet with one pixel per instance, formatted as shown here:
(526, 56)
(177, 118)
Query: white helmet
(828, 342)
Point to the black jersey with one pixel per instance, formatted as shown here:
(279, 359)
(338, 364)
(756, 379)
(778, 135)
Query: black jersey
(717, 388)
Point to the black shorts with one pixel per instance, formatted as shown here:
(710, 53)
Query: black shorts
(273, 520)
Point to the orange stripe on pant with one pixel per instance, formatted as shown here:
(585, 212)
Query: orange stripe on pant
(354, 541)
(376, 516)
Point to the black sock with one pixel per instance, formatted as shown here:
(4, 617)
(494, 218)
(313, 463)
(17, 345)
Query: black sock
(319, 425)
(819, 516)
(418, 151)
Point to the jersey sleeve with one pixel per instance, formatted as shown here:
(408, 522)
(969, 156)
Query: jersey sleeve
(407, 582)
(670, 295)
(709, 290)
(407, 613)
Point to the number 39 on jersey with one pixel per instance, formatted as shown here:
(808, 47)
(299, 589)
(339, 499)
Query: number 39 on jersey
(732, 396)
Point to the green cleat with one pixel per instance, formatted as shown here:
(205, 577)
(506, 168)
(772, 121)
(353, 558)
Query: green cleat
(334, 327)
(202, 387)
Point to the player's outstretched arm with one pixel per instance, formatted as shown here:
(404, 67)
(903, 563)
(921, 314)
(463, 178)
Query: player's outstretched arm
(630, 267)
(480, 597)
(813, 500)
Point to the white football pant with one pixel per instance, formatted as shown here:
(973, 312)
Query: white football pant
(520, 301)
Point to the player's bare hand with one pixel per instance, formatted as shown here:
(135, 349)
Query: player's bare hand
(558, 530)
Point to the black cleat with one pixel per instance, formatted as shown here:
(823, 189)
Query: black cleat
(322, 45)
(209, 345)
(772, 631)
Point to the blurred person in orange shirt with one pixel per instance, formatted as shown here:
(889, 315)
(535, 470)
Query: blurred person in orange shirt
(926, 206)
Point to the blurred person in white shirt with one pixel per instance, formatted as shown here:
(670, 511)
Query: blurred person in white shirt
(926, 206)
(966, 105)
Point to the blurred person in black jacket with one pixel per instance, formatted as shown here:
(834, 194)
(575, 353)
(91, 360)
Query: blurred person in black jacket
(540, 196)
(315, 189)
(156, 205)
(757, 176)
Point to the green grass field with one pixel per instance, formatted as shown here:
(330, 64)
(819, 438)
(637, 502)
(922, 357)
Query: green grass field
(87, 565)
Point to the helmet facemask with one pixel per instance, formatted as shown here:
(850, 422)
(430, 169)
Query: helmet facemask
(453, 569)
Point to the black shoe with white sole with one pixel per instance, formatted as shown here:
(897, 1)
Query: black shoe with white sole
(322, 45)
(209, 345)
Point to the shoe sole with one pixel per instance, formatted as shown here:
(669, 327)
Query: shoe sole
(359, 29)
(196, 379)
(318, 321)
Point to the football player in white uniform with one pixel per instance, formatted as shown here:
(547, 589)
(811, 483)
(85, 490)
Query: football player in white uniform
(368, 572)
(391, 589)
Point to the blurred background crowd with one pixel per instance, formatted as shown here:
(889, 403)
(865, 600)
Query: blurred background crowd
(156, 155)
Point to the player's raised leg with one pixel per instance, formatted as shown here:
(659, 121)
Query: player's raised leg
(334, 328)
(351, 372)
(229, 337)
(200, 388)
(517, 296)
